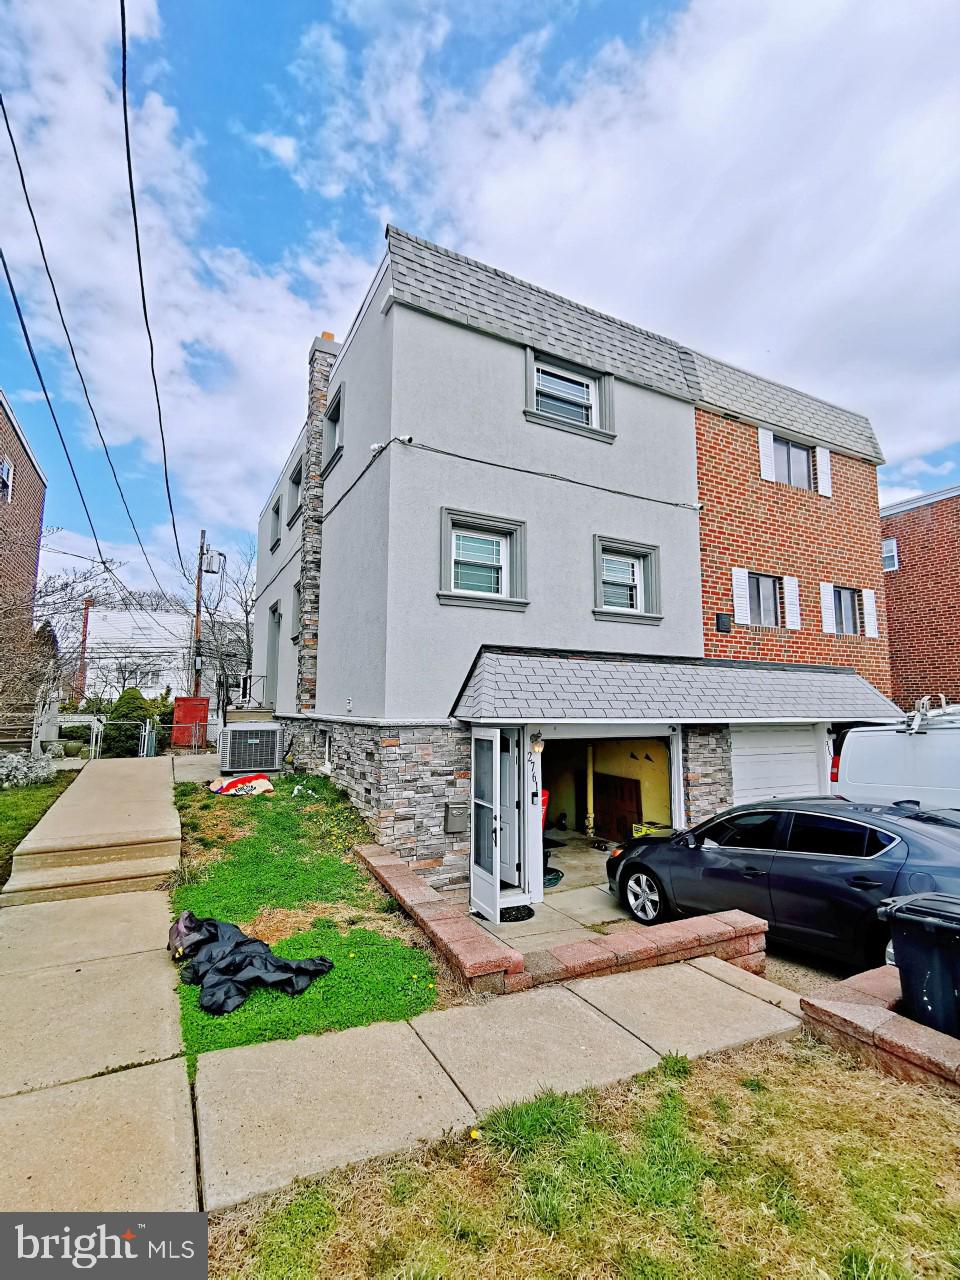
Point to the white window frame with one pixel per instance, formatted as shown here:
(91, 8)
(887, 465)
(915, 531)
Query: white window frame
(6, 477)
(295, 492)
(489, 535)
(295, 610)
(333, 430)
(759, 578)
(276, 518)
(634, 583)
(589, 403)
(888, 549)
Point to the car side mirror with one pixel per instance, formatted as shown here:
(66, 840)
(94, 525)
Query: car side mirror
(691, 841)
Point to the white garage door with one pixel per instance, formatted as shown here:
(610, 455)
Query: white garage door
(774, 762)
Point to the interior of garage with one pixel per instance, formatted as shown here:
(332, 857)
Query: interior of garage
(600, 792)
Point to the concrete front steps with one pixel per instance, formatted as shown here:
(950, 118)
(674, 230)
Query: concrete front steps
(115, 830)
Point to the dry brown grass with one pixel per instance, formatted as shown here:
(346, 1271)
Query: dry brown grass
(812, 1163)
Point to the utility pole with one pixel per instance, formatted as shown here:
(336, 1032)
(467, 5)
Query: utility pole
(196, 617)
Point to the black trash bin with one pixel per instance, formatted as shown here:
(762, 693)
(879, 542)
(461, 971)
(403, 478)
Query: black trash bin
(926, 946)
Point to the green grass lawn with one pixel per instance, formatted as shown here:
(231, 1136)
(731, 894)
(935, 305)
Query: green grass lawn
(779, 1160)
(280, 866)
(21, 808)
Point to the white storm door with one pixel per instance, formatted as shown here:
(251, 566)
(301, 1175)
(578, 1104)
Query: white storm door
(485, 824)
(509, 811)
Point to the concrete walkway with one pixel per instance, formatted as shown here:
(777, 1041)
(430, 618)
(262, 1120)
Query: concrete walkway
(564, 916)
(114, 830)
(268, 1114)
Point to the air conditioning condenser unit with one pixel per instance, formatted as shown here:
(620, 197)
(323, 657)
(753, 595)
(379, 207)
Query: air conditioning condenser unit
(251, 747)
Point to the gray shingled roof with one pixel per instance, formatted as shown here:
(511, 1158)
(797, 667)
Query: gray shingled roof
(733, 389)
(514, 685)
(447, 284)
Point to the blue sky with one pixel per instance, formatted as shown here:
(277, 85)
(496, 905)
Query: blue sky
(775, 184)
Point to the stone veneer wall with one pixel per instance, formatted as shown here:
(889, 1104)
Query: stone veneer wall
(400, 777)
(707, 770)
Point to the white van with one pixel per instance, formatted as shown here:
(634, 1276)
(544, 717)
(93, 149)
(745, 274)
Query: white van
(917, 759)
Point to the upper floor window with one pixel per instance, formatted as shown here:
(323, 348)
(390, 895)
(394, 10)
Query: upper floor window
(295, 611)
(333, 430)
(798, 465)
(626, 581)
(792, 463)
(275, 517)
(848, 611)
(565, 396)
(482, 560)
(295, 492)
(891, 557)
(766, 600)
(6, 480)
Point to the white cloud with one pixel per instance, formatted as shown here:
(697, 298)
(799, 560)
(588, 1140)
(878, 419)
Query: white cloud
(920, 467)
(890, 493)
(775, 183)
(280, 146)
(232, 335)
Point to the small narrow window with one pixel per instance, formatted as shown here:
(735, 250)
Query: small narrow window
(333, 430)
(891, 558)
(480, 562)
(846, 608)
(6, 480)
(792, 463)
(295, 492)
(275, 512)
(565, 395)
(764, 600)
(295, 612)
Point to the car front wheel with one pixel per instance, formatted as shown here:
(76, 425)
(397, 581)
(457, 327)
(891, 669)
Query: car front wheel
(644, 898)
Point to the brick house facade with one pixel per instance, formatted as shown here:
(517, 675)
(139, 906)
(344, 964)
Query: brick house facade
(923, 596)
(776, 529)
(21, 510)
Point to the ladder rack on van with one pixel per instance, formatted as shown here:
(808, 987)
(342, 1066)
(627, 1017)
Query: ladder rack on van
(918, 719)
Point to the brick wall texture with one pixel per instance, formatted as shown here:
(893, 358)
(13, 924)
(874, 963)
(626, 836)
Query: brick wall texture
(776, 529)
(923, 601)
(21, 520)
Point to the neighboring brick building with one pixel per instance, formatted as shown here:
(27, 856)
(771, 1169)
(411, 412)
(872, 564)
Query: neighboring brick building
(23, 488)
(783, 531)
(921, 556)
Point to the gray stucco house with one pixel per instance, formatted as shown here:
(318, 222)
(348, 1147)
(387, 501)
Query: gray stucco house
(479, 585)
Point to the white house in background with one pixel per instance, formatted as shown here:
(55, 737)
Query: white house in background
(134, 649)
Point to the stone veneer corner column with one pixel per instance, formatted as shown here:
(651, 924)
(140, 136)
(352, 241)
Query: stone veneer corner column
(323, 353)
(707, 770)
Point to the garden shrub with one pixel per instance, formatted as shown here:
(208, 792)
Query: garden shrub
(19, 770)
(121, 733)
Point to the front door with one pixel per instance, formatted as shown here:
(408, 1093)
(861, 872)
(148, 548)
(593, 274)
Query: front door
(509, 838)
(485, 825)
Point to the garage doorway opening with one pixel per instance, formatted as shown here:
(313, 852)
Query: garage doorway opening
(599, 793)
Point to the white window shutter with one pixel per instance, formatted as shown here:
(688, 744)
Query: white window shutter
(741, 596)
(765, 444)
(791, 602)
(824, 474)
(827, 610)
(869, 613)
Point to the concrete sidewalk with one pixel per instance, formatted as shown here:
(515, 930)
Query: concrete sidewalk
(268, 1114)
(115, 829)
(95, 1112)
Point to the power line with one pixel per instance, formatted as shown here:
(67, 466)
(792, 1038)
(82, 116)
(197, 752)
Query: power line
(143, 288)
(66, 332)
(53, 415)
